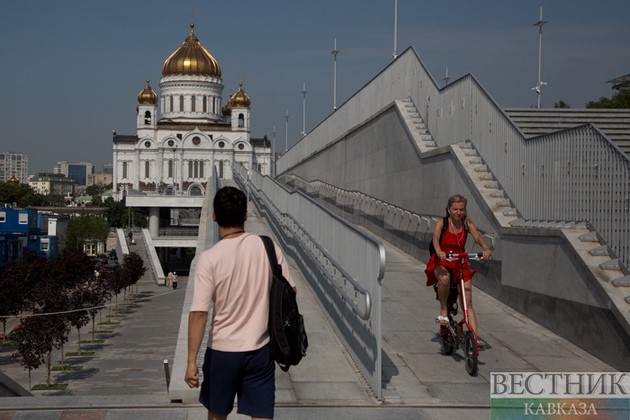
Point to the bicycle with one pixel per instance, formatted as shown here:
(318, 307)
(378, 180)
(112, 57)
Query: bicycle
(452, 335)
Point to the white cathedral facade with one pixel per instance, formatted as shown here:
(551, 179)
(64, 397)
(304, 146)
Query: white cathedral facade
(174, 155)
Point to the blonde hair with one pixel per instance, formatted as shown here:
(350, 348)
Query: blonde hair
(455, 200)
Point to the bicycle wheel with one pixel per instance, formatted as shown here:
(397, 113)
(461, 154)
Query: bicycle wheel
(470, 346)
(448, 343)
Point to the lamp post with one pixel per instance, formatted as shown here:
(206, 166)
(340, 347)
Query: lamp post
(335, 52)
(304, 110)
(540, 24)
(286, 146)
(273, 153)
(395, 28)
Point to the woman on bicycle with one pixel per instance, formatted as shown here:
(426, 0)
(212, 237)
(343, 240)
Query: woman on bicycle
(441, 271)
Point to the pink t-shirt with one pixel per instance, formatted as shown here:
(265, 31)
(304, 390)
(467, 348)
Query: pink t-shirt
(235, 275)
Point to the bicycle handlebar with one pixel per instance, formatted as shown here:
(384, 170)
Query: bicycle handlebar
(454, 257)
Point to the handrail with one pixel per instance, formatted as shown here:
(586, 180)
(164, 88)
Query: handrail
(365, 315)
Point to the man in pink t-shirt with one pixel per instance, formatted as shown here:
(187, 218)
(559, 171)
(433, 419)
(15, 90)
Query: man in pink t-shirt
(234, 275)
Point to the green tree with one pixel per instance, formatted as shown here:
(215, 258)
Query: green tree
(84, 230)
(561, 104)
(620, 99)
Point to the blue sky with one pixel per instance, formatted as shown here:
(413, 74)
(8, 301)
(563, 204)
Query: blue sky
(71, 70)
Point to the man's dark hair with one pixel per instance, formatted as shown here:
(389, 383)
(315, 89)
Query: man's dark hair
(230, 206)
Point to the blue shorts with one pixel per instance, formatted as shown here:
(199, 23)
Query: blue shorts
(250, 375)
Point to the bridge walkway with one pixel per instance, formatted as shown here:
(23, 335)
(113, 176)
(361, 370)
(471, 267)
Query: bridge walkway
(420, 382)
(414, 366)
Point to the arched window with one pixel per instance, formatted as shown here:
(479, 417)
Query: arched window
(147, 118)
(147, 168)
(170, 169)
(205, 104)
(190, 169)
(193, 106)
(214, 106)
(124, 170)
(241, 120)
(196, 191)
(196, 169)
(181, 103)
(221, 169)
(201, 169)
(171, 104)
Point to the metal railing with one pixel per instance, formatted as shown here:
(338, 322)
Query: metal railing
(346, 285)
(576, 174)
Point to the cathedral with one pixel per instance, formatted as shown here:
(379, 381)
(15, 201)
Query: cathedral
(173, 155)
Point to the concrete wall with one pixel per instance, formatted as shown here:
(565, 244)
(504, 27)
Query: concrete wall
(539, 272)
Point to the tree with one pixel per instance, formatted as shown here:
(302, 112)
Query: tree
(84, 230)
(620, 99)
(561, 104)
(47, 298)
(133, 267)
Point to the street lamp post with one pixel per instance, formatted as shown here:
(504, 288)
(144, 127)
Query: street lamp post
(273, 153)
(540, 24)
(304, 110)
(286, 146)
(335, 52)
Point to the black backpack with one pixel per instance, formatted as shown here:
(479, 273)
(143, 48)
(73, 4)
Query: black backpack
(444, 227)
(288, 342)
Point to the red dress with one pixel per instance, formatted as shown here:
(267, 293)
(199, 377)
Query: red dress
(450, 242)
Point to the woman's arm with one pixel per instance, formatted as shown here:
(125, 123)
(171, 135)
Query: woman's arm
(436, 239)
(475, 234)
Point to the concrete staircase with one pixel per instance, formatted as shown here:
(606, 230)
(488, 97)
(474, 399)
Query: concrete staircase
(614, 123)
(141, 249)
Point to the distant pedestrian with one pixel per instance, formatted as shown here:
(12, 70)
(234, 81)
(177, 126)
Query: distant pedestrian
(169, 279)
(174, 280)
(130, 235)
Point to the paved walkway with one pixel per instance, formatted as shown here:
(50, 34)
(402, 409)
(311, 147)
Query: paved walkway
(125, 378)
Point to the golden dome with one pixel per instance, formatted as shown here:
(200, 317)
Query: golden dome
(147, 96)
(13, 180)
(240, 98)
(192, 59)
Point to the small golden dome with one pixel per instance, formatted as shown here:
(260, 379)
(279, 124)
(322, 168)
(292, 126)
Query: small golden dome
(227, 108)
(240, 98)
(147, 96)
(191, 59)
(13, 180)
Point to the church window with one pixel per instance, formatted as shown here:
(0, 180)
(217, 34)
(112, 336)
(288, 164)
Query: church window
(196, 169)
(170, 169)
(201, 169)
(193, 106)
(196, 140)
(147, 118)
(241, 120)
(221, 144)
(171, 143)
(196, 191)
(214, 104)
(179, 136)
(259, 167)
(171, 103)
(205, 104)
(241, 146)
(124, 174)
(147, 144)
(190, 169)
(221, 169)
(181, 103)
(147, 167)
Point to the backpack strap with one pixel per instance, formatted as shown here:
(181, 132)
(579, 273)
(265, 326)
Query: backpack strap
(271, 255)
